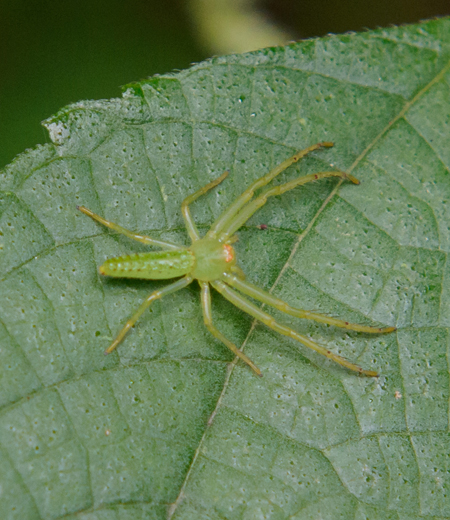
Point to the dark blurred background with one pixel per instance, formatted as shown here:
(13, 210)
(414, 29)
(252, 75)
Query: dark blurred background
(54, 53)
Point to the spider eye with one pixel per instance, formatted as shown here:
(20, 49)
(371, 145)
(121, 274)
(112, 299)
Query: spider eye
(229, 253)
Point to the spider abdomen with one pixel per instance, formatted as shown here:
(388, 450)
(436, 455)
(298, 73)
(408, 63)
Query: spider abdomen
(155, 265)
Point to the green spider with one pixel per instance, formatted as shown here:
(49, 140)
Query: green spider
(212, 261)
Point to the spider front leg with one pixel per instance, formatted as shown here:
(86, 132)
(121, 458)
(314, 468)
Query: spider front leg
(264, 297)
(248, 307)
(228, 215)
(252, 207)
(207, 318)
(140, 238)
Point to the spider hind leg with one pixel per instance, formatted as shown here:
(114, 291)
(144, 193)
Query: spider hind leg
(144, 239)
(155, 295)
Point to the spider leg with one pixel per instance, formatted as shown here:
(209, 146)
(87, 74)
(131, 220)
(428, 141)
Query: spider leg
(155, 295)
(190, 224)
(238, 272)
(207, 318)
(258, 294)
(140, 238)
(228, 215)
(248, 307)
(241, 218)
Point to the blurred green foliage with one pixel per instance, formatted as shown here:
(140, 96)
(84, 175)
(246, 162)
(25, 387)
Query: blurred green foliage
(319, 17)
(55, 53)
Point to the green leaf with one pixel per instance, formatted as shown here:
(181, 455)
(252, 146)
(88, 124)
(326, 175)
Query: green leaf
(166, 426)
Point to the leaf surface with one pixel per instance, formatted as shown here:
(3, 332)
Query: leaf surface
(168, 425)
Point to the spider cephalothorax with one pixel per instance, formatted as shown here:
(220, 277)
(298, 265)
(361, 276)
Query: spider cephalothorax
(212, 259)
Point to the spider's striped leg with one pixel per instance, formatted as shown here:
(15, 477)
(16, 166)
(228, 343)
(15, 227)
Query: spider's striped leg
(228, 215)
(248, 307)
(207, 318)
(156, 295)
(241, 218)
(140, 238)
(190, 224)
(258, 294)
